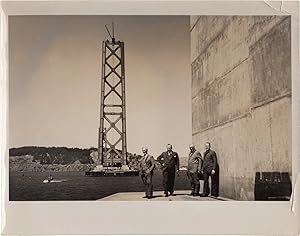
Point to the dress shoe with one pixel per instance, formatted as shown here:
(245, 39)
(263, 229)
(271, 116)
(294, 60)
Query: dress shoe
(203, 195)
(196, 194)
(166, 195)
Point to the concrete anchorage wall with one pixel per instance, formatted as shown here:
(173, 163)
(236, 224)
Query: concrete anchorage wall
(241, 96)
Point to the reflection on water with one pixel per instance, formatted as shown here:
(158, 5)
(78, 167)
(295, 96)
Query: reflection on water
(28, 186)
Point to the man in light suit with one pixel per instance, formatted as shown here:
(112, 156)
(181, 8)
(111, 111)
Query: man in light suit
(147, 165)
(169, 161)
(210, 168)
(194, 169)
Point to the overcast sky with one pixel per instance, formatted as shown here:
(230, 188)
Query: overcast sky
(54, 86)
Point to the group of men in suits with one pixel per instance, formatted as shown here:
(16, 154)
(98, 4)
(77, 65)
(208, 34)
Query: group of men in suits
(203, 168)
(198, 168)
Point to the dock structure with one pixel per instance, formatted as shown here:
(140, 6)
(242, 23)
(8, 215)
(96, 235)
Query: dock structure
(112, 142)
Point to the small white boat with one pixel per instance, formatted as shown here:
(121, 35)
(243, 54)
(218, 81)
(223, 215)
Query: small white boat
(46, 181)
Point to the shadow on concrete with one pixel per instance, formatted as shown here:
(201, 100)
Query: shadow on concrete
(156, 196)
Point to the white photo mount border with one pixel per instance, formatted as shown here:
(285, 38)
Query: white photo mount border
(90, 218)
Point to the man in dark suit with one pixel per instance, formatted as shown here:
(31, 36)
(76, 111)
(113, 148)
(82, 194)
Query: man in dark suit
(147, 164)
(194, 169)
(210, 168)
(169, 161)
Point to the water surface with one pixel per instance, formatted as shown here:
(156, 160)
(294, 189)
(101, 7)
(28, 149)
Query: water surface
(29, 186)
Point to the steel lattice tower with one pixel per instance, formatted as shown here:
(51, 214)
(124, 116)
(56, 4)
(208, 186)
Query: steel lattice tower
(112, 146)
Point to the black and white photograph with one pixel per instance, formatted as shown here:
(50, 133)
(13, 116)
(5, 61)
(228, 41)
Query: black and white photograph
(150, 108)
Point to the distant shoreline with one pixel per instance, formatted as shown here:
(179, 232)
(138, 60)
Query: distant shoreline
(26, 163)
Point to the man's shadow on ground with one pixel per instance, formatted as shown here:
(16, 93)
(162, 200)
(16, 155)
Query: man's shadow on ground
(173, 195)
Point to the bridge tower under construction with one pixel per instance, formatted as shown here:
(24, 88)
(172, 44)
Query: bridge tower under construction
(112, 143)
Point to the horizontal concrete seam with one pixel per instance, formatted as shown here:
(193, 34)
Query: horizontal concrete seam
(223, 123)
(271, 100)
(222, 31)
(252, 46)
(210, 43)
(227, 72)
(220, 78)
(194, 25)
(242, 116)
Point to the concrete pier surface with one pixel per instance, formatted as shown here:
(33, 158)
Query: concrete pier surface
(180, 195)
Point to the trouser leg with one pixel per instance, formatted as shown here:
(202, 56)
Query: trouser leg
(143, 177)
(196, 183)
(190, 176)
(205, 187)
(215, 184)
(171, 181)
(197, 189)
(149, 185)
(165, 181)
